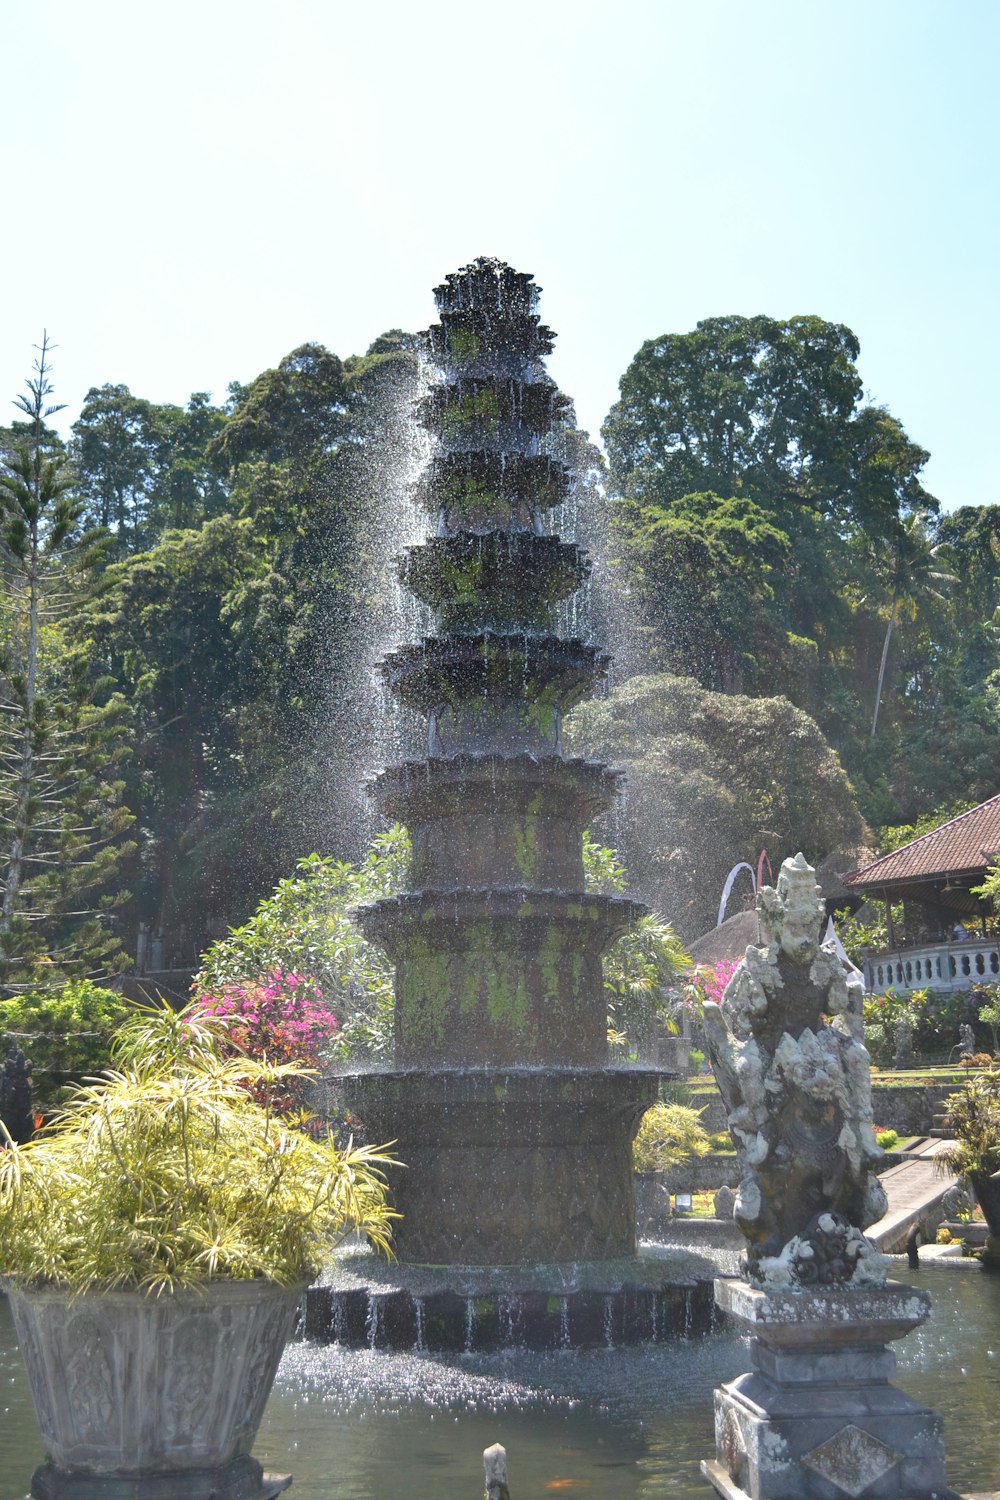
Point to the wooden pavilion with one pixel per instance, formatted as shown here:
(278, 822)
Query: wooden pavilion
(949, 937)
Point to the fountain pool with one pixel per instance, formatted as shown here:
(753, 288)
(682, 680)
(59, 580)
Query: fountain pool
(614, 1424)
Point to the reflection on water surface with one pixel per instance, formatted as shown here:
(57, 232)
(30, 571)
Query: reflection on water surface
(627, 1424)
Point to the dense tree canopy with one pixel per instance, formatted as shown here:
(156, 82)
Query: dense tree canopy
(787, 582)
(779, 539)
(762, 407)
(144, 468)
(713, 778)
(243, 642)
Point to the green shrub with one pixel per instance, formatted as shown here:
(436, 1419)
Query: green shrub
(668, 1134)
(305, 928)
(886, 1139)
(66, 1033)
(644, 971)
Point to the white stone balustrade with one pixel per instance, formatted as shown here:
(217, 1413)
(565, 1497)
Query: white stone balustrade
(953, 965)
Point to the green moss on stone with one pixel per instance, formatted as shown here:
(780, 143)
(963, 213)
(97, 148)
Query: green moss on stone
(527, 845)
(550, 953)
(463, 345)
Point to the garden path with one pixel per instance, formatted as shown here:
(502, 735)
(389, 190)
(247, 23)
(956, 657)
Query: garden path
(915, 1187)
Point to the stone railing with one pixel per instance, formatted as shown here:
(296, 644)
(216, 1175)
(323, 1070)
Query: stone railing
(953, 965)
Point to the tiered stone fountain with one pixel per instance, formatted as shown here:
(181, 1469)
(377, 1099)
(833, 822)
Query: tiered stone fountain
(515, 1131)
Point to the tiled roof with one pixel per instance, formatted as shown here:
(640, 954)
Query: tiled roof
(964, 845)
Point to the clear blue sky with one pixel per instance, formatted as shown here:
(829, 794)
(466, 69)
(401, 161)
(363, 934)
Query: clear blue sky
(191, 190)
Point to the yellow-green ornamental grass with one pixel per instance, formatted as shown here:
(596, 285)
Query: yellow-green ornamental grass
(165, 1173)
(668, 1135)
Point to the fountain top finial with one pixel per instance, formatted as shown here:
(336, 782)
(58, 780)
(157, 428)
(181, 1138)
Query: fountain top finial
(487, 283)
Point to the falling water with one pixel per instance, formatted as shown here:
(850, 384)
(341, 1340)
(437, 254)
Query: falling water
(564, 1338)
(386, 484)
(372, 1320)
(338, 1327)
(506, 1311)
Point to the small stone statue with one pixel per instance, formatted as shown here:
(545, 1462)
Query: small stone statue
(16, 1109)
(966, 1040)
(495, 1467)
(724, 1203)
(794, 1076)
(955, 1201)
(902, 1034)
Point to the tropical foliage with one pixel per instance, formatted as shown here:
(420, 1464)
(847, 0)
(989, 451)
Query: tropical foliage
(788, 583)
(167, 1173)
(974, 1122)
(305, 932)
(777, 534)
(713, 778)
(62, 727)
(644, 972)
(279, 1018)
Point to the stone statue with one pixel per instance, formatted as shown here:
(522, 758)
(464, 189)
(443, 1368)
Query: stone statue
(966, 1040)
(794, 1075)
(16, 1109)
(495, 1466)
(724, 1203)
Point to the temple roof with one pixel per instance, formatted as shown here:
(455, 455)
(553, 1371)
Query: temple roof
(964, 846)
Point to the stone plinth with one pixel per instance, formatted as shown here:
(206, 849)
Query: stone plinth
(816, 1417)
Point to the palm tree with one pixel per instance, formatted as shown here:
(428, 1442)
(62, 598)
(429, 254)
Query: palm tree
(912, 577)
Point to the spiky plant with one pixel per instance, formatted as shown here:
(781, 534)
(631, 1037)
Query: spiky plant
(668, 1135)
(974, 1122)
(165, 1173)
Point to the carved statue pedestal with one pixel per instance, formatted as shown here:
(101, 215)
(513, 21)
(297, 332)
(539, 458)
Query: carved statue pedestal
(816, 1418)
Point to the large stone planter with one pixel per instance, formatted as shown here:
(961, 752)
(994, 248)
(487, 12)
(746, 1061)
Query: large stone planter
(152, 1398)
(987, 1191)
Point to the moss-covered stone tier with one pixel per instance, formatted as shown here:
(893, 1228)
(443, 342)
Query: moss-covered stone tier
(515, 1132)
(474, 582)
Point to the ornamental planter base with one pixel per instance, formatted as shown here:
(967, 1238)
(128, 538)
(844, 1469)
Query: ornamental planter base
(242, 1479)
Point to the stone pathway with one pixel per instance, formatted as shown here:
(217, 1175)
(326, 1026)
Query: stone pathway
(914, 1187)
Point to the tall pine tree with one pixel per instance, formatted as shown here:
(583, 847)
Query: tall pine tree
(61, 729)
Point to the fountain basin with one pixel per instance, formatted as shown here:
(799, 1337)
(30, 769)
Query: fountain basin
(658, 1295)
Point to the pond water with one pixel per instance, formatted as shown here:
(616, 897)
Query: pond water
(628, 1424)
